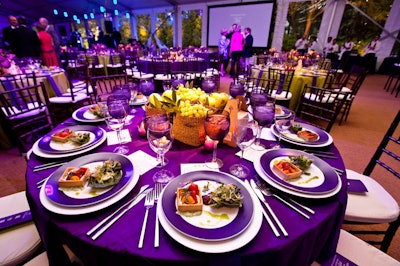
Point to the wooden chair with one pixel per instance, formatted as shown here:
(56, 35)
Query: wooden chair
(116, 65)
(284, 80)
(377, 206)
(26, 112)
(102, 85)
(320, 106)
(17, 81)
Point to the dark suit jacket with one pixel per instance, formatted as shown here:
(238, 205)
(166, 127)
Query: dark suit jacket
(9, 38)
(27, 43)
(248, 46)
(56, 41)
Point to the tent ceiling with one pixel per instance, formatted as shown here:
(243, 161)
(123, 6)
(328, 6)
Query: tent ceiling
(33, 9)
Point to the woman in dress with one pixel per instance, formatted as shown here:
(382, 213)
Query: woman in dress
(48, 53)
(223, 44)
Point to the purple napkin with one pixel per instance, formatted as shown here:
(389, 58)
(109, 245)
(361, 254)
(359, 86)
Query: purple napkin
(54, 85)
(356, 186)
(15, 219)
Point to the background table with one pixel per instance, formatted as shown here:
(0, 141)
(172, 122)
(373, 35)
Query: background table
(307, 241)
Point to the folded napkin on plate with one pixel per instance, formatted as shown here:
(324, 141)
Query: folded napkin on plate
(192, 167)
(113, 139)
(251, 154)
(143, 161)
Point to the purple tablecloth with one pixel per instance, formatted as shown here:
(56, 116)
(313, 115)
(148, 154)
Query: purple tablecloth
(308, 240)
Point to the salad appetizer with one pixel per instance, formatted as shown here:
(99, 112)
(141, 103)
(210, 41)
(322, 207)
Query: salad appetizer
(67, 134)
(105, 175)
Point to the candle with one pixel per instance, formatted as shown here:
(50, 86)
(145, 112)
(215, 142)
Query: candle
(208, 144)
(142, 130)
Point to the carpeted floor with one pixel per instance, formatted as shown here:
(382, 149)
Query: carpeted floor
(357, 138)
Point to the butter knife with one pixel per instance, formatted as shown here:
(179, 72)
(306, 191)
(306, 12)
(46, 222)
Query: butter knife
(262, 199)
(271, 224)
(142, 189)
(133, 203)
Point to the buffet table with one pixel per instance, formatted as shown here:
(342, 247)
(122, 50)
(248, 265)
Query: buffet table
(308, 240)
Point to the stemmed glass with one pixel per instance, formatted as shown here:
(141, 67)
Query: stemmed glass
(160, 138)
(244, 135)
(156, 118)
(216, 125)
(236, 89)
(115, 119)
(124, 92)
(264, 115)
(283, 124)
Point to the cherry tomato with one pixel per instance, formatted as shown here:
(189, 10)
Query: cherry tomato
(194, 187)
(193, 194)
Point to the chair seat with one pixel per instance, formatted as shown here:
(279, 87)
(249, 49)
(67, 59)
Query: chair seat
(24, 115)
(162, 77)
(138, 75)
(358, 252)
(283, 96)
(374, 206)
(39, 260)
(327, 99)
(115, 65)
(66, 98)
(21, 242)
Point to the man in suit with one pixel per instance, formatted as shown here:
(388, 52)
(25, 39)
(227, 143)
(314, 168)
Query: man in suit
(56, 40)
(9, 34)
(27, 42)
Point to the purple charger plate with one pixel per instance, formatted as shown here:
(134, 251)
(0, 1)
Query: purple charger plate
(59, 197)
(232, 229)
(331, 179)
(44, 142)
(79, 115)
(323, 136)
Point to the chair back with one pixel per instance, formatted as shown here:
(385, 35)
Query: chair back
(17, 81)
(105, 84)
(283, 79)
(389, 146)
(26, 111)
(259, 85)
(320, 106)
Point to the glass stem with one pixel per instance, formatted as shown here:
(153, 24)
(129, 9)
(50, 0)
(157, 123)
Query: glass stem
(259, 135)
(162, 160)
(119, 137)
(214, 158)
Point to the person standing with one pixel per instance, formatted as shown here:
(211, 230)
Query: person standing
(9, 34)
(27, 42)
(301, 45)
(247, 48)
(346, 49)
(332, 51)
(223, 44)
(236, 49)
(314, 46)
(47, 48)
(327, 46)
(229, 37)
(56, 40)
(372, 48)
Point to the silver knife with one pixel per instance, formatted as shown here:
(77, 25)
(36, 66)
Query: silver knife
(261, 198)
(271, 224)
(136, 201)
(142, 189)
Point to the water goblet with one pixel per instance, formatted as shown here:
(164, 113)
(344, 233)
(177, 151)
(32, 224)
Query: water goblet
(123, 95)
(133, 91)
(244, 135)
(264, 115)
(236, 89)
(216, 126)
(160, 138)
(156, 118)
(115, 119)
(283, 124)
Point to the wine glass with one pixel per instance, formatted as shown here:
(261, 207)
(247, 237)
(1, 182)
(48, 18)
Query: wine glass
(115, 119)
(236, 89)
(244, 135)
(133, 89)
(156, 118)
(283, 124)
(160, 138)
(123, 93)
(264, 115)
(216, 125)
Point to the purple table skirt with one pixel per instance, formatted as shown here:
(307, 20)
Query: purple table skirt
(308, 240)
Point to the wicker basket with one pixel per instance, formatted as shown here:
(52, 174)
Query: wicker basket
(189, 130)
(153, 111)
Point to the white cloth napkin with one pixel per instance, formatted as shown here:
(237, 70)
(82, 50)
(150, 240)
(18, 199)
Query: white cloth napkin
(143, 161)
(266, 133)
(192, 167)
(251, 154)
(113, 139)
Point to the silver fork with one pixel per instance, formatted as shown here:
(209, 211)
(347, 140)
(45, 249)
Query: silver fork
(268, 193)
(148, 204)
(157, 191)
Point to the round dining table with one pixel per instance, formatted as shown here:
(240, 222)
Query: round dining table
(308, 240)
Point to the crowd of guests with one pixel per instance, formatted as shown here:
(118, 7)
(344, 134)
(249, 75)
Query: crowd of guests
(236, 47)
(339, 54)
(24, 42)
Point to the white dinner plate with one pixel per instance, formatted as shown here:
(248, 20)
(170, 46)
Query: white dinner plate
(260, 172)
(37, 151)
(49, 205)
(216, 246)
(84, 115)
